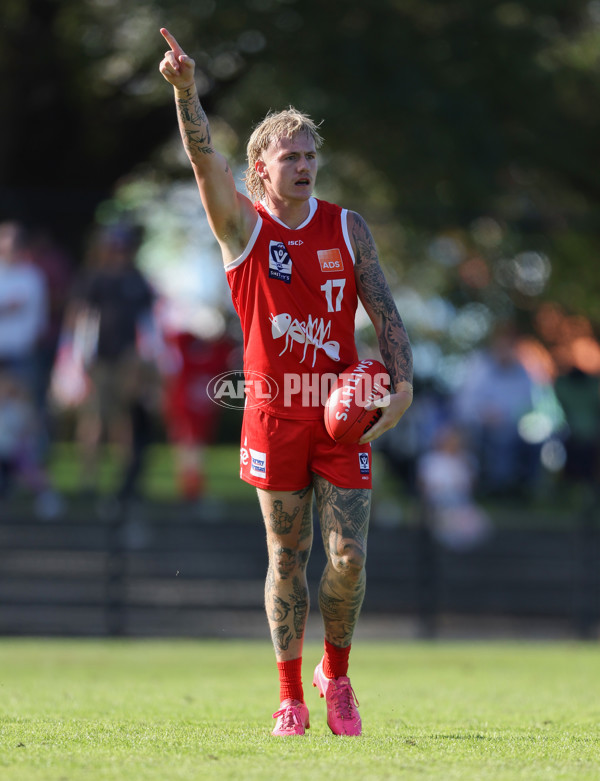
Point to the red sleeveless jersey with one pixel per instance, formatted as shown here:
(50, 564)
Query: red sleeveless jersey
(295, 293)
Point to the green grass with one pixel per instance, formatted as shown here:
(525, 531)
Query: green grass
(168, 710)
(158, 481)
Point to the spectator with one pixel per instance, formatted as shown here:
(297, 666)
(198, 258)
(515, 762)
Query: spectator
(56, 267)
(19, 461)
(23, 306)
(198, 351)
(114, 295)
(23, 318)
(496, 394)
(415, 434)
(579, 396)
(446, 477)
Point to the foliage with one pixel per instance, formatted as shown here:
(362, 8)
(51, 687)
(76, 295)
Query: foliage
(438, 114)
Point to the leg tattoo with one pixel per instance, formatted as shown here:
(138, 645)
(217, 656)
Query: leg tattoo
(344, 518)
(288, 524)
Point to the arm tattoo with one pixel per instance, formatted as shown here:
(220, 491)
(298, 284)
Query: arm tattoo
(375, 293)
(193, 126)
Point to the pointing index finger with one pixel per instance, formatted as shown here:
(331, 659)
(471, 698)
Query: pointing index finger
(175, 47)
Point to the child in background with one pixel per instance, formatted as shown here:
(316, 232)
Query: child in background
(446, 478)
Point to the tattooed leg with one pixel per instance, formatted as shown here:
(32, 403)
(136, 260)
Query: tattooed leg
(344, 518)
(288, 523)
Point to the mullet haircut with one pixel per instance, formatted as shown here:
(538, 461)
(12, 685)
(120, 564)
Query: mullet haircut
(277, 124)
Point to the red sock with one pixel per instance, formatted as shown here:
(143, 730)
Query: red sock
(191, 485)
(290, 680)
(335, 661)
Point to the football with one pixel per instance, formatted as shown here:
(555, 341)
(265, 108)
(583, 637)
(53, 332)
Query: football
(346, 418)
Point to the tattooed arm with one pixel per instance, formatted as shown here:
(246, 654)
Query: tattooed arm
(394, 344)
(230, 214)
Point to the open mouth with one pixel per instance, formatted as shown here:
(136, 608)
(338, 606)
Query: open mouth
(303, 182)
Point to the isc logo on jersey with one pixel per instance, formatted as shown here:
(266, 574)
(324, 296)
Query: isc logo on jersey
(280, 262)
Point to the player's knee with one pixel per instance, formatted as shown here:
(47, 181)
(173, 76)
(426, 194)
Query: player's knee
(288, 561)
(350, 564)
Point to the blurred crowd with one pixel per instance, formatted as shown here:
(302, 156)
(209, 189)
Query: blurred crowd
(92, 339)
(486, 444)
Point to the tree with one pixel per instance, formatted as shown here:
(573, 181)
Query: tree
(438, 113)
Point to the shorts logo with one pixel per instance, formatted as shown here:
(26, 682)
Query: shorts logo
(258, 464)
(244, 456)
(330, 260)
(363, 463)
(280, 262)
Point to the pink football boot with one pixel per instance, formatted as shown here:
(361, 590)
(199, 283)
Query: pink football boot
(342, 714)
(292, 718)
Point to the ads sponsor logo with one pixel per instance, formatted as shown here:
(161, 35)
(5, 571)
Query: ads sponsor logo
(280, 262)
(330, 260)
(242, 390)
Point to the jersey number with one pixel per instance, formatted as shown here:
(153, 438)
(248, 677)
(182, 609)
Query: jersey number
(328, 288)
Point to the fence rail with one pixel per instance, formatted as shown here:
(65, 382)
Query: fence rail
(182, 576)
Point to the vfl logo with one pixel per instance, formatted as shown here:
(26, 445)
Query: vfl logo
(280, 262)
(363, 463)
(330, 260)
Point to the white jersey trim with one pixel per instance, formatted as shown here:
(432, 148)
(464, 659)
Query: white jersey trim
(252, 241)
(312, 204)
(344, 217)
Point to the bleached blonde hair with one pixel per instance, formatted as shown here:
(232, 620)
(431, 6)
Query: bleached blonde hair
(277, 124)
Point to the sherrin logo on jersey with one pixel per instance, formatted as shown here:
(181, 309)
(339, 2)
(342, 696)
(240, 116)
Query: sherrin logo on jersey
(280, 262)
(330, 260)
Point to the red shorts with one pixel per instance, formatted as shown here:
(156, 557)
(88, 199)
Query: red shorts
(279, 454)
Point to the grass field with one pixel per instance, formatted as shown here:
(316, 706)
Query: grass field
(195, 710)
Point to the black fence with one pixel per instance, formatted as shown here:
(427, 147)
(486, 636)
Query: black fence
(172, 574)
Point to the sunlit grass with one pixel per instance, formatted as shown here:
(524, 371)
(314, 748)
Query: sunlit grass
(170, 710)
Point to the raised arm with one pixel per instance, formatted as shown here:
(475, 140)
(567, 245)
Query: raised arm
(230, 214)
(394, 345)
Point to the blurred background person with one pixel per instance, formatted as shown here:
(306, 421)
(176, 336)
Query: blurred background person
(496, 393)
(579, 396)
(112, 302)
(199, 348)
(23, 319)
(56, 267)
(446, 479)
(23, 306)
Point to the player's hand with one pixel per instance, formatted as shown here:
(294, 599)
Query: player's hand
(177, 68)
(393, 408)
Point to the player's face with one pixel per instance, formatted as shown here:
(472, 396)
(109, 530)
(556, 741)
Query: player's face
(289, 168)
